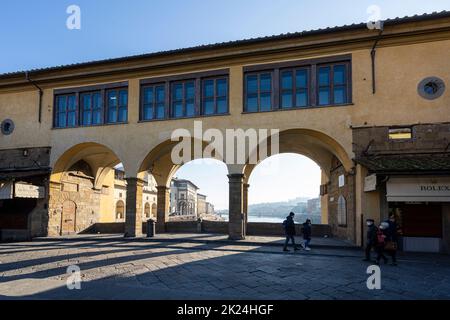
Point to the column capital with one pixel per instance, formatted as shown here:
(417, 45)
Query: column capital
(162, 188)
(137, 181)
(236, 176)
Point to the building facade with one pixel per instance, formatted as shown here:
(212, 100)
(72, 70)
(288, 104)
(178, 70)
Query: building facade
(370, 107)
(186, 203)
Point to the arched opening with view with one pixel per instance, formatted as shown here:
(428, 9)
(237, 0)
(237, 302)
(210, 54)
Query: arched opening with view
(186, 191)
(282, 184)
(315, 172)
(82, 190)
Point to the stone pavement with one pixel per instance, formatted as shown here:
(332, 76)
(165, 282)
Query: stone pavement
(187, 269)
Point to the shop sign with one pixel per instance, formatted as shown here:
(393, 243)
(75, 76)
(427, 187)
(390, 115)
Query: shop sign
(418, 189)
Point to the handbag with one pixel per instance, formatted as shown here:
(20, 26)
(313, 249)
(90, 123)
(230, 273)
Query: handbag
(391, 246)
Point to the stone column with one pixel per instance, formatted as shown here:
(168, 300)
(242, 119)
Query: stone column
(236, 207)
(133, 216)
(163, 208)
(245, 204)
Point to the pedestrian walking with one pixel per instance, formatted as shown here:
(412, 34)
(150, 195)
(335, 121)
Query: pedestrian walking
(289, 229)
(307, 232)
(371, 238)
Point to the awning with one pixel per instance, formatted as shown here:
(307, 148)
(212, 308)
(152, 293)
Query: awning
(418, 189)
(406, 163)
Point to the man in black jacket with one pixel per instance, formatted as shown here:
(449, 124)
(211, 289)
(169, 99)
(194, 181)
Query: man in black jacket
(289, 229)
(371, 238)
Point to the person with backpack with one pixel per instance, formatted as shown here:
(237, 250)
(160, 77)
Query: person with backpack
(289, 229)
(381, 242)
(371, 238)
(307, 232)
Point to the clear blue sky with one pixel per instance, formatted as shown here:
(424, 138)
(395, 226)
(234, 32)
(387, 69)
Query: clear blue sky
(33, 34)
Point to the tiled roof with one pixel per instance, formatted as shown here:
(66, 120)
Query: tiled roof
(407, 163)
(394, 21)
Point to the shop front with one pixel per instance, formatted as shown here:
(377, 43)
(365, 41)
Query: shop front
(421, 205)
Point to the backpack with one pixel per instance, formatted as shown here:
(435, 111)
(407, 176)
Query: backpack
(285, 224)
(380, 237)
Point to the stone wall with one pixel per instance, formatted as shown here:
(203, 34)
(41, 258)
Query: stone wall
(347, 231)
(80, 190)
(426, 138)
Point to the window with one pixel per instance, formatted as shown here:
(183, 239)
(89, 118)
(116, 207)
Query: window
(400, 134)
(91, 108)
(298, 84)
(154, 102)
(332, 84)
(185, 96)
(117, 105)
(183, 99)
(258, 88)
(120, 210)
(342, 211)
(294, 88)
(215, 96)
(66, 111)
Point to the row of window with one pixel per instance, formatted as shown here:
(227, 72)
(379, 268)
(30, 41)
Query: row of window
(183, 99)
(268, 90)
(296, 88)
(91, 108)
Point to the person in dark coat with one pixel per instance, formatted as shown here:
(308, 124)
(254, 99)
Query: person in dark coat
(392, 233)
(307, 232)
(289, 229)
(371, 238)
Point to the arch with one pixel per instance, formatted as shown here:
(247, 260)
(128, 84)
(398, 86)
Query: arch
(147, 210)
(120, 210)
(159, 162)
(342, 211)
(100, 159)
(313, 144)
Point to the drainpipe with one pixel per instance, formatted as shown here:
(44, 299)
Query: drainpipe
(373, 55)
(41, 93)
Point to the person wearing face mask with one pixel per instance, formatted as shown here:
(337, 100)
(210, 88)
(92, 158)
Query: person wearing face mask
(371, 238)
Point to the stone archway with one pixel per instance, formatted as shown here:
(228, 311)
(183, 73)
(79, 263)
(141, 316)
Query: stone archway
(84, 174)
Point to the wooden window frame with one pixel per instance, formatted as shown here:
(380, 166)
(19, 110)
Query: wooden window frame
(81, 112)
(118, 106)
(56, 111)
(184, 101)
(215, 97)
(312, 65)
(258, 93)
(331, 86)
(294, 88)
(155, 103)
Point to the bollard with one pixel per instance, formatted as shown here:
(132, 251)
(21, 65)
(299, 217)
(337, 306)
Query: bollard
(151, 228)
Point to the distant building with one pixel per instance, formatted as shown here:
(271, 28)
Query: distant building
(186, 203)
(149, 197)
(313, 207)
